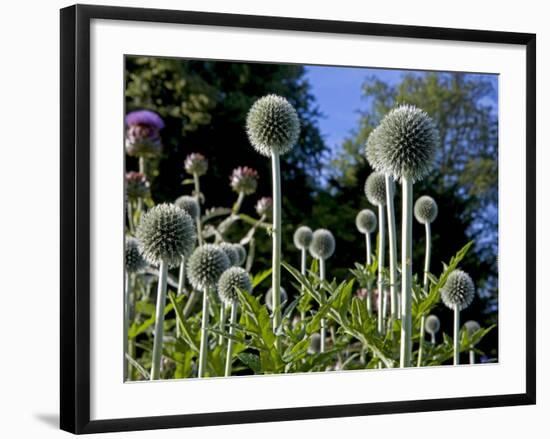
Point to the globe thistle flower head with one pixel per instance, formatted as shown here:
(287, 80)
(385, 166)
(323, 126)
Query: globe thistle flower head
(142, 133)
(231, 252)
(406, 139)
(195, 163)
(425, 209)
(314, 343)
(372, 150)
(189, 204)
(375, 188)
(137, 185)
(244, 179)
(323, 244)
(366, 221)
(166, 234)
(264, 206)
(432, 324)
(133, 259)
(241, 251)
(471, 327)
(233, 279)
(205, 266)
(303, 237)
(269, 298)
(272, 125)
(459, 290)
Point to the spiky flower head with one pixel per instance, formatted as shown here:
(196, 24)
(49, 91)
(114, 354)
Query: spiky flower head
(232, 279)
(231, 252)
(195, 163)
(189, 204)
(315, 343)
(303, 237)
(366, 221)
(432, 324)
(323, 244)
(406, 139)
(132, 256)
(142, 133)
(425, 209)
(375, 188)
(264, 206)
(459, 290)
(272, 125)
(137, 185)
(269, 298)
(244, 179)
(205, 266)
(241, 251)
(166, 234)
(471, 327)
(372, 150)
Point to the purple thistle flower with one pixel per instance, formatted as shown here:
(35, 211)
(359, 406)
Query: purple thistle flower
(195, 163)
(145, 118)
(264, 206)
(137, 185)
(244, 179)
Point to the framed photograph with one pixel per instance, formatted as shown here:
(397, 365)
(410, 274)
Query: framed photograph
(268, 218)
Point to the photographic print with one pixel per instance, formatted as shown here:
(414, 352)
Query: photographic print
(286, 218)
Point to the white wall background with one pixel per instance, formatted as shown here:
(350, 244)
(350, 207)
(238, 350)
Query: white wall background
(29, 215)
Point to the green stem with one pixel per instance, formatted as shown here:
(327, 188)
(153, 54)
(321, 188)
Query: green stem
(142, 166)
(381, 257)
(303, 263)
(406, 273)
(456, 336)
(472, 357)
(392, 241)
(126, 323)
(131, 217)
(276, 257)
(196, 180)
(159, 321)
(222, 323)
(203, 350)
(190, 303)
(322, 276)
(232, 323)
(237, 205)
(425, 287)
(251, 252)
(181, 287)
(367, 246)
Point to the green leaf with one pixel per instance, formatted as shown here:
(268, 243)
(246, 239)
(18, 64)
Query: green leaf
(252, 361)
(260, 277)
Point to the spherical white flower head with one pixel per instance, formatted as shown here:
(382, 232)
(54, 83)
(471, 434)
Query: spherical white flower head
(459, 290)
(432, 324)
(133, 259)
(471, 327)
(205, 266)
(189, 204)
(303, 237)
(231, 252)
(272, 125)
(372, 150)
(375, 188)
(425, 209)
(269, 298)
(233, 279)
(315, 343)
(166, 234)
(366, 221)
(241, 251)
(323, 244)
(406, 138)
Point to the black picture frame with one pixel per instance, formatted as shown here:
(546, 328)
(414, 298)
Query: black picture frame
(75, 217)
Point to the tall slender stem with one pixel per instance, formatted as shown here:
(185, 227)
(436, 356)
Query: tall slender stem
(367, 246)
(433, 337)
(159, 321)
(406, 273)
(232, 322)
(322, 276)
(222, 323)
(130, 210)
(303, 260)
(196, 181)
(472, 357)
(203, 350)
(456, 336)
(276, 257)
(126, 322)
(381, 257)
(425, 287)
(181, 287)
(190, 303)
(237, 205)
(392, 241)
(142, 166)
